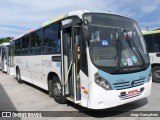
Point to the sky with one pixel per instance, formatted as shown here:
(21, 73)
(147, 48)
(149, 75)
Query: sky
(19, 16)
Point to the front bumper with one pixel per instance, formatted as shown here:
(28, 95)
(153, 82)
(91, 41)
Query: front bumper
(101, 99)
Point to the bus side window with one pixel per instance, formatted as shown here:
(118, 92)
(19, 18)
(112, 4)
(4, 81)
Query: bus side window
(33, 43)
(25, 45)
(18, 47)
(51, 39)
(157, 43)
(38, 42)
(149, 42)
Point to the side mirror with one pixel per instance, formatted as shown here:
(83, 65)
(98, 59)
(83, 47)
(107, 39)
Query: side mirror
(85, 33)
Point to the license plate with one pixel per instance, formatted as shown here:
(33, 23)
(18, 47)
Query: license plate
(133, 93)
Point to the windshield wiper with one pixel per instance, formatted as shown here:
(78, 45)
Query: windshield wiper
(119, 48)
(131, 43)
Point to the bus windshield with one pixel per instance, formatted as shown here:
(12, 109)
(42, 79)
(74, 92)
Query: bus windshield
(115, 41)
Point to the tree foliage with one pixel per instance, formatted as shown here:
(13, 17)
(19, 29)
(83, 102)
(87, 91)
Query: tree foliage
(7, 39)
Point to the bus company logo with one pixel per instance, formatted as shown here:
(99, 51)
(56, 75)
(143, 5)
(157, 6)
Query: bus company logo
(47, 63)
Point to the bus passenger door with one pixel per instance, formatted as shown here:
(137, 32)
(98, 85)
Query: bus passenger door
(76, 54)
(67, 62)
(69, 68)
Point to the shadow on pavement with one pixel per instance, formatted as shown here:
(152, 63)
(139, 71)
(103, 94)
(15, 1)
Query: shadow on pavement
(6, 104)
(36, 87)
(110, 112)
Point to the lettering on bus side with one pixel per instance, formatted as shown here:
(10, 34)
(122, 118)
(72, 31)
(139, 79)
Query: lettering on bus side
(19, 61)
(37, 65)
(47, 63)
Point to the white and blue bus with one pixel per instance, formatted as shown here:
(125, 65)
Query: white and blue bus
(4, 48)
(0, 56)
(152, 39)
(96, 60)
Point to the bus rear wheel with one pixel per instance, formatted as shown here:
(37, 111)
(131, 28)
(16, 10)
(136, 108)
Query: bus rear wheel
(18, 76)
(156, 74)
(57, 91)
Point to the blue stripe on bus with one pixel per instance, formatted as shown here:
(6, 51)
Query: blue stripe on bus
(123, 81)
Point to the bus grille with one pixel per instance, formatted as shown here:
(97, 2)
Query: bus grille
(128, 84)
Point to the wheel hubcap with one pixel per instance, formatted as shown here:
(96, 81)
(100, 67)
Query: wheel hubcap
(157, 74)
(57, 89)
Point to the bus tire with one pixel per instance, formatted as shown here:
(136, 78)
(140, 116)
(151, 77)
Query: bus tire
(156, 74)
(57, 91)
(18, 76)
(50, 88)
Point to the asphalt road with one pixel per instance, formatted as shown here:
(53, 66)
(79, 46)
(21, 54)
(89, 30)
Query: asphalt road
(27, 97)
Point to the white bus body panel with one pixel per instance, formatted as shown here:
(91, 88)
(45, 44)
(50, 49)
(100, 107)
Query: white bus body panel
(11, 71)
(84, 83)
(154, 59)
(35, 69)
(5, 66)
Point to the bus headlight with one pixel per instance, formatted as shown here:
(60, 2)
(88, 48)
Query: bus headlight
(101, 82)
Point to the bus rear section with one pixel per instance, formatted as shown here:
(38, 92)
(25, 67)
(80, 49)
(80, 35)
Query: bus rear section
(10, 65)
(152, 39)
(4, 56)
(96, 60)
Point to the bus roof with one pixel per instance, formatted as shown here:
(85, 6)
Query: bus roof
(77, 13)
(151, 32)
(73, 13)
(52, 21)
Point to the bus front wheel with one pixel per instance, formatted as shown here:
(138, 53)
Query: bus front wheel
(156, 74)
(57, 91)
(18, 76)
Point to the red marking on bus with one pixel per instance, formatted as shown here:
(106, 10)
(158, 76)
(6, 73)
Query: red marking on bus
(85, 91)
(83, 87)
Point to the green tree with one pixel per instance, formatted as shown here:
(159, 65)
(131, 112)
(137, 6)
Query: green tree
(7, 39)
